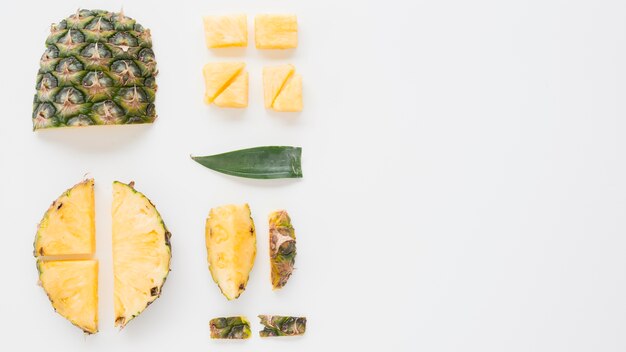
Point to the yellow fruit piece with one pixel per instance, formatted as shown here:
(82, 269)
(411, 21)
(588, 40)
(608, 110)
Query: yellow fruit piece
(236, 94)
(226, 31)
(68, 226)
(72, 286)
(141, 252)
(290, 97)
(274, 79)
(276, 31)
(218, 77)
(231, 247)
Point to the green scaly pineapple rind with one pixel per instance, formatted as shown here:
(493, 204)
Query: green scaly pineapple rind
(98, 69)
(275, 325)
(230, 328)
(282, 248)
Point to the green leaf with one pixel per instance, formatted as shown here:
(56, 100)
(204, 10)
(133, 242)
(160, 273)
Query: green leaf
(260, 162)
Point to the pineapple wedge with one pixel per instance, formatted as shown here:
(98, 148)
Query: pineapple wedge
(226, 78)
(68, 227)
(226, 31)
(276, 31)
(282, 248)
(231, 247)
(72, 286)
(282, 88)
(141, 252)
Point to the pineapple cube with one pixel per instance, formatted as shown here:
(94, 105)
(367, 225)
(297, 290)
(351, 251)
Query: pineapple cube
(226, 84)
(226, 31)
(282, 88)
(276, 31)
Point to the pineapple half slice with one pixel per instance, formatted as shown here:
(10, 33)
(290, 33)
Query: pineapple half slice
(231, 247)
(72, 286)
(141, 252)
(226, 84)
(282, 88)
(69, 226)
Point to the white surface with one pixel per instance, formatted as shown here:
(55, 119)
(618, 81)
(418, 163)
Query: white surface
(464, 177)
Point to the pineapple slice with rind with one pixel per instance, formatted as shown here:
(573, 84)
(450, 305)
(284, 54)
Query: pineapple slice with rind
(275, 31)
(290, 97)
(236, 94)
(231, 247)
(141, 252)
(226, 31)
(219, 76)
(72, 286)
(68, 226)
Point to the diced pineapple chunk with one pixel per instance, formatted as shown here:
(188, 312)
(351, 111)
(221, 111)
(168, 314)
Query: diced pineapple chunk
(276, 31)
(219, 77)
(226, 31)
(282, 88)
(236, 94)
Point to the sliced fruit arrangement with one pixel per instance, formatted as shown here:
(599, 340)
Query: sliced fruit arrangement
(68, 227)
(276, 31)
(226, 84)
(141, 252)
(276, 325)
(226, 31)
(261, 162)
(282, 88)
(231, 247)
(98, 69)
(72, 286)
(230, 328)
(282, 248)
(67, 230)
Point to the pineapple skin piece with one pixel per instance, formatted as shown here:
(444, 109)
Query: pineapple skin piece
(98, 69)
(276, 325)
(275, 31)
(226, 31)
(68, 227)
(141, 252)
(219, 76)
(230, 328)
(231, 247)
(282, 244)
(72, 287)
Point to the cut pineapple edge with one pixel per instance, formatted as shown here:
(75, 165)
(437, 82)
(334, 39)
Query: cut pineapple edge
(141, 252)
(282, 88)
(226, 84)
(231, 247)
(276, 31)
(64, 244)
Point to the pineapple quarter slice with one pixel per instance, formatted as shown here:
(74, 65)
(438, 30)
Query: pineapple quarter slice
(72, 286)
(226, 31)
(226, 78)
(141, 252)
(231, 247)
(282, 88)
(274, 31)
(68, 227)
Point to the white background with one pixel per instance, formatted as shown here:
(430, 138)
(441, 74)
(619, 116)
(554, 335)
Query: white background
(464, 182)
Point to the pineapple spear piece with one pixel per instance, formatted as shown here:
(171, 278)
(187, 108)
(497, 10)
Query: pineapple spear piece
(282, 248)
(231, 247)
(276, 325)
(230, 328)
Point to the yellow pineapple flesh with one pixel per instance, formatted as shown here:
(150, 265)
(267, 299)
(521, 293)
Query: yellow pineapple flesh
(226, 31)
(274, 78)
(236, 94)
(68, 227)
(72, 286)
(272, 31)
(219, 76)
(141, 252)
(231, 247)
(290, 97)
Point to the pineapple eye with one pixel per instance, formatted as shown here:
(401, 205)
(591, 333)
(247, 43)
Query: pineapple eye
(146, 56)
(69, 96)
(126, 71)
(71, 37)
(96, 50)
(44, 111)
(133, 94)
(52, 52)
(123, 39)
(99, 24)
(97, 78)
(48, 81)
(69, 65)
